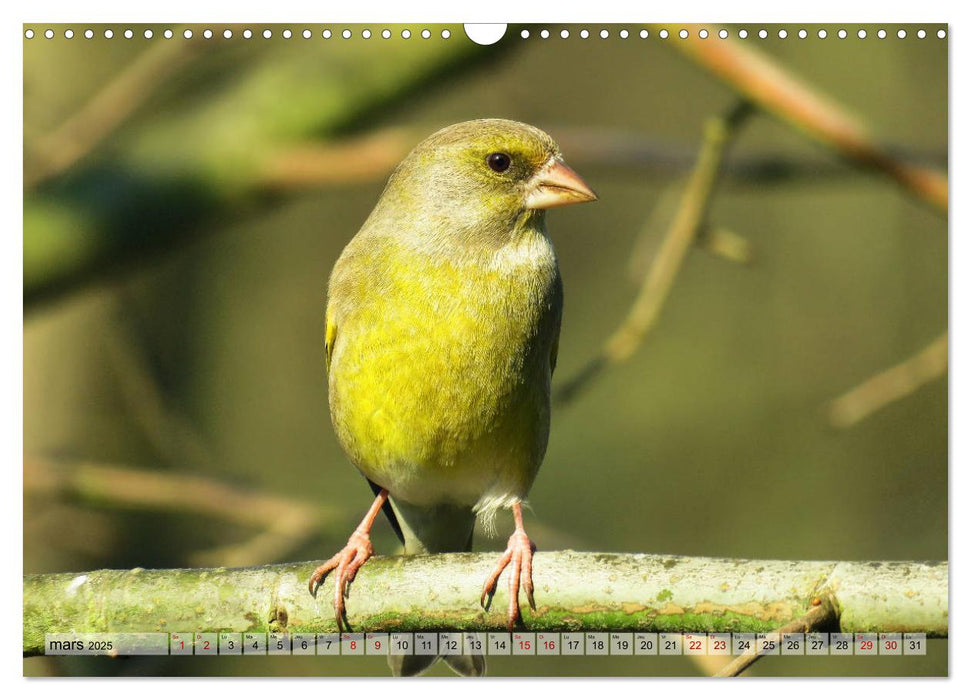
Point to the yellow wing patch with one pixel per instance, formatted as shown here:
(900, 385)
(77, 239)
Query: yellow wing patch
(330, 337)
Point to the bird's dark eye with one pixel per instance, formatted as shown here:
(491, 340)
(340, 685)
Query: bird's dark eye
(499, 162)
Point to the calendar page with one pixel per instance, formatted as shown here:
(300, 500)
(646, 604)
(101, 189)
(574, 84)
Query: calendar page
(543, 349)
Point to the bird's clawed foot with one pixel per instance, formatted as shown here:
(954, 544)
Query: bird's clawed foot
(346, 562)
(519, 552)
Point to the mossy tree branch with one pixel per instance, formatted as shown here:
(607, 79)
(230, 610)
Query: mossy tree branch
(574, 591)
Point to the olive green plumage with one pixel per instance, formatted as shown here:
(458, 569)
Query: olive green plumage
(445, 311)
(443, 318)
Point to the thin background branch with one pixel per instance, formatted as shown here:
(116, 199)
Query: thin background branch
(891, 385)
(780, 92)
(107, 109)
(689, 218)
(282, 524)
(823, 615)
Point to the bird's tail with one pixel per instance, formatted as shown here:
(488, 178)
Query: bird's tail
(435, 530)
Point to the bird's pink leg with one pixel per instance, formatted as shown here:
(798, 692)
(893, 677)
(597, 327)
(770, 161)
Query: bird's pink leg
(349, 560)
(519, 552)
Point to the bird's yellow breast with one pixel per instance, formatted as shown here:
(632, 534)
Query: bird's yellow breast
(440, 367)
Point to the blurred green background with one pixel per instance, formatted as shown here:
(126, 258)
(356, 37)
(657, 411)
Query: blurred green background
(174, 288)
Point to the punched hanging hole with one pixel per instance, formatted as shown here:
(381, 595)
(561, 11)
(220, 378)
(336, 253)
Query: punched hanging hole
(485, 34)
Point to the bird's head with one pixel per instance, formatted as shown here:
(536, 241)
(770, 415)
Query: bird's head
(481, 178)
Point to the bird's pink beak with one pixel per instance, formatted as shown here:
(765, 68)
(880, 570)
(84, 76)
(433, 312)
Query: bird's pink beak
(557, 185)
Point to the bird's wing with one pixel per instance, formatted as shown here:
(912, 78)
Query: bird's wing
(388, 512)
(329, 338)
(554, 351)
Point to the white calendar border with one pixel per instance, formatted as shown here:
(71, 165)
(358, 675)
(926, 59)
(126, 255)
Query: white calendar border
(497, 10)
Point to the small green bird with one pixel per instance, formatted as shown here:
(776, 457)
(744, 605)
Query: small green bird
(443, 319)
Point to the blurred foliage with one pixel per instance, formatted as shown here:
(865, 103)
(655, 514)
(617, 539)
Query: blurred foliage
(711, 440)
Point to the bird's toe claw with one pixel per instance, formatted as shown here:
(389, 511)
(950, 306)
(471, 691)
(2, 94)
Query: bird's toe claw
(519, 553)
(346, 562)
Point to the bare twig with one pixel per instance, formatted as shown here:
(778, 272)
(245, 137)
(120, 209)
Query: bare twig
(689, 219)
(282, 523)
(655, 227)
(726, 244)
(823, 614)
(191, 166)
(106, 110)
(779, 92)
(371, 156)
(362, 158)
(891, 385)
(716, 240)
